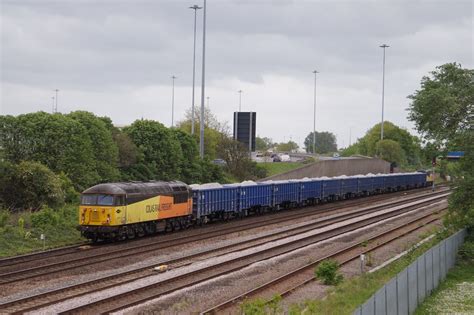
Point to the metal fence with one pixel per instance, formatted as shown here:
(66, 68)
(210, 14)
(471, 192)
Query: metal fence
(404, 292)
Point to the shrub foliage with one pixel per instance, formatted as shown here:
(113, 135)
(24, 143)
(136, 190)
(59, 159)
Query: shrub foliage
(327, 272)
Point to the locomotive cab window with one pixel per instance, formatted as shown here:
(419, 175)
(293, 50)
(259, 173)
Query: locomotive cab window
(119, 200)
(88, 199)
(105, 200)
(97, 200)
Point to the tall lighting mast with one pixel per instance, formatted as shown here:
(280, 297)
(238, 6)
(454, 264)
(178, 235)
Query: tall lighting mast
(314, 114)
(195, 8)
(383, 88)
(240, 100)
(172, 102)
(203, 83)
(56, 100)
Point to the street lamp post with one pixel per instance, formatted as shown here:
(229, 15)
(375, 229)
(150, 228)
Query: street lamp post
(172, 102)
(203, 83)
(314, 113)
(195, 8)
(56, 100)
(240, 100)
(383, 88)
(350, 135)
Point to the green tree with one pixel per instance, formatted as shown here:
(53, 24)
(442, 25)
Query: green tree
(29, 186)
(263, 144)
(128, 153)
(236, 156)
(367, 145)
(353, 149)
(391, 151)
(57, 141)
(190, 167)
(443, 108)
(443, 112)
(162, 155)
(325, 142)
(210, 172)
(210, 121)
(104, 148)
(287, 146)
(213, 130)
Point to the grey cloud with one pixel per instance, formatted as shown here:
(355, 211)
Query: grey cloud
(143, 42)
(105, 51)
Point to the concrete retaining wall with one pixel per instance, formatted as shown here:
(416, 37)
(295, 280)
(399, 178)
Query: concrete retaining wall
(331, 168)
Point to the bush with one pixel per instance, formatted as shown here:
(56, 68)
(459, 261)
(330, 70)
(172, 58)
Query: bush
(4, 216)
(255, 307)
(210, 172)
(256, 171)
(326, 271)
(70, 194)
(467, 250)
(30, 185)
(260, 306)
(57, 141)
(44, 218)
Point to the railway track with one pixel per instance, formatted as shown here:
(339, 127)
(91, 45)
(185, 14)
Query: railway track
(306, 273)
(35, 258)
(54, 296)
(151, 291)
(86, 260)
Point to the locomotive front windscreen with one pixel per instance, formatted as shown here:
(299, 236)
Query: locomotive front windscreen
(101, 200)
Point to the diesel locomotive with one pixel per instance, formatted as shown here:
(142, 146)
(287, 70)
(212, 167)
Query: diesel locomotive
(127, 210)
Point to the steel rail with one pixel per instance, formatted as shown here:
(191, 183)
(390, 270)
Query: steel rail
(145, 270)
(167, 286)
(61, 251)
(41, 270)
(281, 214)
(426, 219)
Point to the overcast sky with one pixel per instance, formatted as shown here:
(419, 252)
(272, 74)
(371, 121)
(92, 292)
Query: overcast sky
(116, 58)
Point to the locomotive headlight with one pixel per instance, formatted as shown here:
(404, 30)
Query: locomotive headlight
(83, 218)
(108, 218)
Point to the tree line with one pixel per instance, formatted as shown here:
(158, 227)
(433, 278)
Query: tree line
(43, 156)
(45, 159)
(398, 146)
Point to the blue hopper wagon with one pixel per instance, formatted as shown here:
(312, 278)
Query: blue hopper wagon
(285, 193)
(254, 196)
(216, 201)
(331, 188)
(311, 191)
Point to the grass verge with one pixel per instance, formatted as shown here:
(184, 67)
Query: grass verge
(20, 232)
(280, 167)
(456, 293)
(349, 294)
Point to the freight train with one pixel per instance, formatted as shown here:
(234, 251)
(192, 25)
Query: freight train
(127, 210)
